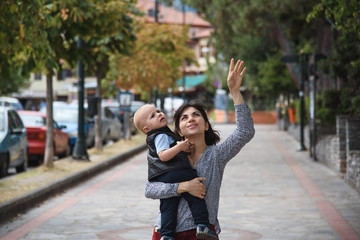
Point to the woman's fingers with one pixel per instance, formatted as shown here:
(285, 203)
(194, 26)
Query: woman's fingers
(243, 71)
(231, 65)
(200, 179)
(238, 66)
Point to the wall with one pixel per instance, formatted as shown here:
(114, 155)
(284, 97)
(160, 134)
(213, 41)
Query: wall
(338, 148)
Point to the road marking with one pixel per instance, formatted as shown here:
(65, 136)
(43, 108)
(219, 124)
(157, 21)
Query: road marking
(49, 214)
(337, 222)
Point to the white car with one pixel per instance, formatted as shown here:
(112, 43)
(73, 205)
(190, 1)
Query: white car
(13, 102)
(111, 126)
(171, 105)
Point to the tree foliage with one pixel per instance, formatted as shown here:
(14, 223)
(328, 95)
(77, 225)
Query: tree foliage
(36, 35)
(22, 40)
(256, 30)
(156, 59)
(273, 79)
(344, 61)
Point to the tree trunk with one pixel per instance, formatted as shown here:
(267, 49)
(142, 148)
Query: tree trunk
(49, 148)
(324, 40)
(98, 123)
(286, 48)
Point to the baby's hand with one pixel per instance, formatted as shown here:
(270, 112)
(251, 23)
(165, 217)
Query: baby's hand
(185, 145)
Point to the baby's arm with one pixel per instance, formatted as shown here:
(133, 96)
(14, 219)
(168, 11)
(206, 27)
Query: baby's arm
(167, 154)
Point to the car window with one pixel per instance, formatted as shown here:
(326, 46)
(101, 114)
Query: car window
(65, 115)
(108, 113)
(2, 122)
(33, 120)
(12, 124)
(17, 120)
(55, 125)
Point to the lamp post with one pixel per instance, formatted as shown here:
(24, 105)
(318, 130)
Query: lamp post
(301, 95)
(80, 151)
(302, 61)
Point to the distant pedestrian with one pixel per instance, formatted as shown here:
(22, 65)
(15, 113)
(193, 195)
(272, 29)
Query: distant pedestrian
(168, 162)
(206, 156)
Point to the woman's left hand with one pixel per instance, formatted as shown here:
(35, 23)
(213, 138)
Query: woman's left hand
(234, 80)
(235, 75)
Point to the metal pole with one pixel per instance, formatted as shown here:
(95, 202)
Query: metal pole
(156, 21)
(184, 67)
(80, 151)
(301, 95)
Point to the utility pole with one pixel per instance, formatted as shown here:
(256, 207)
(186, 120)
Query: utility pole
(80, 151)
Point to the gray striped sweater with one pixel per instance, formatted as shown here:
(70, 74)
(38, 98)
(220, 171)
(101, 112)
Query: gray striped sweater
(210, 166)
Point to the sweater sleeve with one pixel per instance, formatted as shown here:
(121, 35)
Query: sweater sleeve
(243, 133)
(159, 190)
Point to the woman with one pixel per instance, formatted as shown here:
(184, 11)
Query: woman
(206, 157)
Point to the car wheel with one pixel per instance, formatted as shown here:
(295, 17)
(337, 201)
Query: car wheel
(23, 166)
(3, 168)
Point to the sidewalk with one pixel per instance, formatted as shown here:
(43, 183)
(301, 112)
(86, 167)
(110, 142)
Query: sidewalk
(82, 171)
(269, 191)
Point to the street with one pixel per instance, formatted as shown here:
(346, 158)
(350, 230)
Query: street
(269, 191)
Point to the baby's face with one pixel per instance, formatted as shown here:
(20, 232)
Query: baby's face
(152, 118)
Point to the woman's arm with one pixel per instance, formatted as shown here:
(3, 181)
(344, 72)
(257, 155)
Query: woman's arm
(244, 131)
(159, 190)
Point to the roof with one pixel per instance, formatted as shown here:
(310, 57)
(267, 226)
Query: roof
(171, 15)
(203, 34)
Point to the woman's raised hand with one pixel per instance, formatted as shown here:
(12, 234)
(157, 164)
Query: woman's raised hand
(235, 75)
(234, 80)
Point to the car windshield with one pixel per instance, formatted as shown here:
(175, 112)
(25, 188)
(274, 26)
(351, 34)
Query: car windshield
(114, 110)
(65, 115)
(2, 122)
(33, 120)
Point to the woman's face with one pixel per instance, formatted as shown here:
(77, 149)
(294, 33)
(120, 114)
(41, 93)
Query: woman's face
(192, 123)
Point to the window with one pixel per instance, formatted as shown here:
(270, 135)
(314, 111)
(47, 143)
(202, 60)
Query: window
(37, 76)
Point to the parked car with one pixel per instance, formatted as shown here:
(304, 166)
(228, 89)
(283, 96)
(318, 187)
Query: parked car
(35, 123)
(11, 102)
(111, 126)
(114, 106)
(13, 141)
(171, 105)
(67, 115)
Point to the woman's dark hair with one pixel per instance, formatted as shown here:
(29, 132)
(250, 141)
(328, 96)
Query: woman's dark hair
(212, 137)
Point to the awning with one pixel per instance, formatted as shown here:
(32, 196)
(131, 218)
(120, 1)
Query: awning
(191, 81)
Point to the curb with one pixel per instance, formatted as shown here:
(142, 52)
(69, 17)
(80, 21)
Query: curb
(20, 204)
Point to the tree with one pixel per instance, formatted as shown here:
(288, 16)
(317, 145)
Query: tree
(344, 59)
(116, 36)
(254, 30)
(156, 59)
(20, 35)
(36, 35)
